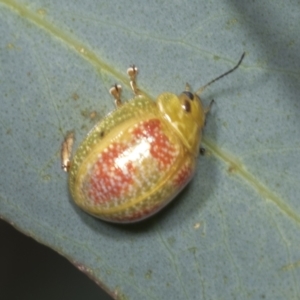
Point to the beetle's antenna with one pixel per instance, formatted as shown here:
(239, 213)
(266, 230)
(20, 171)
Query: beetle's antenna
(221, 76)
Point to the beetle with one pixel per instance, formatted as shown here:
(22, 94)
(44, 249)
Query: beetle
(140, 156)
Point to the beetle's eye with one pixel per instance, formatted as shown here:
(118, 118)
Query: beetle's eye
(189, 95)
(186, 105)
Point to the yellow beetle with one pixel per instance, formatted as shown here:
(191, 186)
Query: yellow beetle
(140, 156)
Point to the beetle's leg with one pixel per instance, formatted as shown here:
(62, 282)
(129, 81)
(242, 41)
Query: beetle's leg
(115, 91)
(66, 151)
(132, 73)
(207, 109)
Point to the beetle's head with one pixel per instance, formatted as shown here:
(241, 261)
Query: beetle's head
(186, 116)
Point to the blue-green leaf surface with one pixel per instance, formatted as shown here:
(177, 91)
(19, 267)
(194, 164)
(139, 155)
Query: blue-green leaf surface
(234, 232)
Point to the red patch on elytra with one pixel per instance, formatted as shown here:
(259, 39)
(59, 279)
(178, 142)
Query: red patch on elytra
(160, 146)
(116, 170)
(107, 180)
(183, 176)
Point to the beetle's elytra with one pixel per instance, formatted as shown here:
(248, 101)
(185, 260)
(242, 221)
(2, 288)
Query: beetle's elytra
(140, 156)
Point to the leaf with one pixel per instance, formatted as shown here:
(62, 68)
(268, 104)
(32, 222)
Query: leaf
(233, 233)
